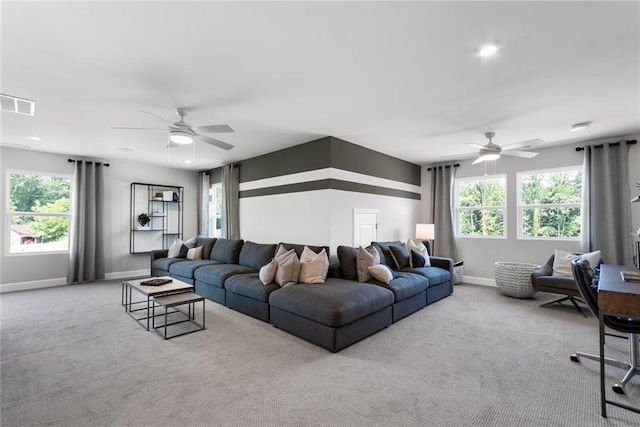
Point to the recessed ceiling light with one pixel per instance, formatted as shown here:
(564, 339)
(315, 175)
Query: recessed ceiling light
(187, 161)
(580, 126)
(35, 138)
(488, 49)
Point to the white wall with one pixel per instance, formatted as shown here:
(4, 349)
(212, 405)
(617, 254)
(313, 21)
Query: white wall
(291, 217)
(30, 271)
(479, 255)
(323, 217)
(397, 218)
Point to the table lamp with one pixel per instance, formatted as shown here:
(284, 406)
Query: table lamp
(426, 233)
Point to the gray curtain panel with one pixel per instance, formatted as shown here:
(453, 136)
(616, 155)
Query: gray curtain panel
(442, 179)
(204, 189)
(606, 211)
(86, 251)
(230, 202)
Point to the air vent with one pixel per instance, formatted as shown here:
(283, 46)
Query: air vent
(17, 105)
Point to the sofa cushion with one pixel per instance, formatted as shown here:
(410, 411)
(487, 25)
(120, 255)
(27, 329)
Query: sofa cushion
(313, 266)
(207, 244)
(337, 303)
(385, 252)
(165, 263)
(300, 248)
(256, 255)
(227, 251)
(401, 255)
(381, 272)
(267, 273)
(288, 269)
(195, 253)
(420, 249)
(436, 275)
(404, 285)
(347, 256)
(187, 268)
(365, 259)
(216, 274)
(249, 285)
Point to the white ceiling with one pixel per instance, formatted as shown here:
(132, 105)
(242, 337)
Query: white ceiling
(400, 78)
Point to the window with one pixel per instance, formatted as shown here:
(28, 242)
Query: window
(481, 206)
(549, 204)
(216, 209)
(38, 212)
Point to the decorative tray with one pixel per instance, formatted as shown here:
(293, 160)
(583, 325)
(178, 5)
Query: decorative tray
(156, 282)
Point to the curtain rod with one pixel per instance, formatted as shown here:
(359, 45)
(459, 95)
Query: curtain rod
(447, 166)
(611, 144)
(73, 161)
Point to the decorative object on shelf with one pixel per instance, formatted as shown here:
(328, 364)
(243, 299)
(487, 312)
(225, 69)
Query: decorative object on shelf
(158, 195)
(167, 196)
(176, 198)
(514, 278)
(143, 219)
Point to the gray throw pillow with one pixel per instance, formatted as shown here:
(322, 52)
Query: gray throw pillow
(400, 255)
(347, 259)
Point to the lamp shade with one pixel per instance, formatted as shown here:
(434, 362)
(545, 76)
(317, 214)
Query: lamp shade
(425, 231)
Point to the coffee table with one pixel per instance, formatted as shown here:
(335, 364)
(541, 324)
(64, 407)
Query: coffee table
(150, 292)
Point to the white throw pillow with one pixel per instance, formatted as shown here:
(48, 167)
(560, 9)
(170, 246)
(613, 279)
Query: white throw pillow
(267, 273)
(381, 272)
(421, 249)
(195, 253)
(562, 261)
(364, 260)
(288, 267)
(313, 267)
(174, 249)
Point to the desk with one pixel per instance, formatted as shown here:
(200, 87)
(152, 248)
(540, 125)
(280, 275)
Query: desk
(615, 298)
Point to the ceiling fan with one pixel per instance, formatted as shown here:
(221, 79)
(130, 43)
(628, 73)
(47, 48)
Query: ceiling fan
(491, 151)
(182, 133)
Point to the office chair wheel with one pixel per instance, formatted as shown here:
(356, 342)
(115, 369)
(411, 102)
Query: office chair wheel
(575, 358)
(618, 389)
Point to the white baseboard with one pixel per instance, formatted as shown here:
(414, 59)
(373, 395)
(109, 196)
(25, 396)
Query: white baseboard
(62, 281)
(479, 281)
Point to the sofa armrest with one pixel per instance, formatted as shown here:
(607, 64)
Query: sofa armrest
(156, 254)
(445, 263)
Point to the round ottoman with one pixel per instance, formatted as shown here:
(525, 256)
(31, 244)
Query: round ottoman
(514, 278)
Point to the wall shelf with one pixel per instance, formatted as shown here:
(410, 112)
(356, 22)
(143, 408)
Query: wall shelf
(163, 206)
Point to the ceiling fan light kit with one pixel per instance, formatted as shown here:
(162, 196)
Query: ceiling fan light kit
(183, 137)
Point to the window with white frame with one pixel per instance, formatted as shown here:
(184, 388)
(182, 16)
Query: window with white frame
(481, 205)
(38, 212)
(550, 204)
(215, 210)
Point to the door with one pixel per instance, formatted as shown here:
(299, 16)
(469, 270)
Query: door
(365, 227)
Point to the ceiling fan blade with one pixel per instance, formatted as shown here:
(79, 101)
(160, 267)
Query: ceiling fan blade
(473, 144)
(214, 129)
(523, 144)
(162, 119)
(525, 154)
(478, 160)
(119, 127)
(214, 142)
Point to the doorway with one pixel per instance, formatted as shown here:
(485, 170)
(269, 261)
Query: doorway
(365, 227)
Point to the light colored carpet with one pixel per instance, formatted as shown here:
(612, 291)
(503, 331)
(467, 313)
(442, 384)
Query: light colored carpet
(72, 357)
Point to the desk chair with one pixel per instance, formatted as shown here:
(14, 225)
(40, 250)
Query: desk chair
(583, 274)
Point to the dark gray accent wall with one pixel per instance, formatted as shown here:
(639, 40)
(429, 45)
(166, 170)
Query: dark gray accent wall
(329, 152)
(300, 158)
(325, 184)
(355, 158)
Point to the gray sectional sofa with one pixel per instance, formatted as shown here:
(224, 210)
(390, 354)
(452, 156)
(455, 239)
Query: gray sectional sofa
(332, 315)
